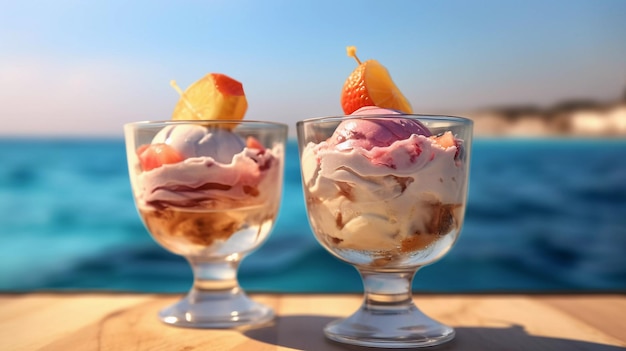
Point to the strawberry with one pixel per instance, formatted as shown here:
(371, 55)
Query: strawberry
(155, 155)
(354, 94)
(254, 143)
(371, 85)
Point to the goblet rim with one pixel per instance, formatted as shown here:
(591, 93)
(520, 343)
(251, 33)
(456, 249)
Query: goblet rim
(165, 122)
(435, 117)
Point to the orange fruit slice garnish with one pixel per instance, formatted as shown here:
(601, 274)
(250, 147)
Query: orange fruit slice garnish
(370, 84)
(216, 96)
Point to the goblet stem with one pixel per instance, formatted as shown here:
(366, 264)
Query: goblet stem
(214, 276)
(388, 316)
(216, 300)
(387, 290)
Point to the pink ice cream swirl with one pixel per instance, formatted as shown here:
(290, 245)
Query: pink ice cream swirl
(218, 171)
(203, 182)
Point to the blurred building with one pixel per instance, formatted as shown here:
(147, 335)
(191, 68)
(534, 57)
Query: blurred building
(575, 118)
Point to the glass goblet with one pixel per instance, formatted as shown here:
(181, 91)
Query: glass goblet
(208, 191)
(386, 194)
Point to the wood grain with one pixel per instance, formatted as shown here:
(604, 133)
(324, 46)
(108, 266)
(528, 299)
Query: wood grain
(100, 321)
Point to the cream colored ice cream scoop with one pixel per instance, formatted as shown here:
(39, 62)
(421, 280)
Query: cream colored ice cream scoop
(198, 141)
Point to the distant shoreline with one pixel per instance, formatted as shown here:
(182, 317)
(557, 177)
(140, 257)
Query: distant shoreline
(577, 119)
(574, 118)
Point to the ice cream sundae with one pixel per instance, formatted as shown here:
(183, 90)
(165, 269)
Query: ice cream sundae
(207, 184)
(196, 184)
(385, 188)
(385, 191)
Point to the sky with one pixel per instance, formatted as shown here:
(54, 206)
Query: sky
(85, 68)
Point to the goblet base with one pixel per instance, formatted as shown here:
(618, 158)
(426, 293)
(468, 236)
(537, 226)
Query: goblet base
(389, 328)
(216, 310)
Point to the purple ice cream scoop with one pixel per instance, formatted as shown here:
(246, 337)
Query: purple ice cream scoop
(375, 132)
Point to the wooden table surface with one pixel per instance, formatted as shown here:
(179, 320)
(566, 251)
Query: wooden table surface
(113, 321)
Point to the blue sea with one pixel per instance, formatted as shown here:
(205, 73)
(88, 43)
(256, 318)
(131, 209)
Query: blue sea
(543, 216)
